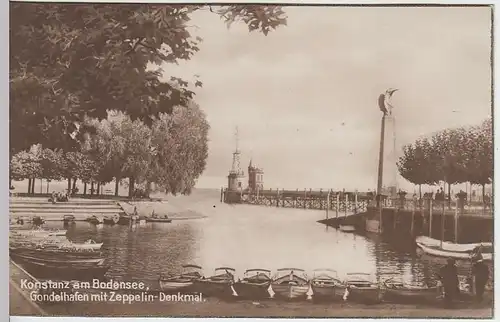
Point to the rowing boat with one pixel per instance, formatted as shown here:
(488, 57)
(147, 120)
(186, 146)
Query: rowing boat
(347, 228)
(88, 245)
(183, 281)
(290, 283)
(459, 248)
(39, 232)
(63, 271)
(164, 220)
(45, 259)
(254, 285)
(457, 255)
(361, 287)
(326, 284)
(217, 285)
(400, 292)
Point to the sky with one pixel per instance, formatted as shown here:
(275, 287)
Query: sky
(304, 98)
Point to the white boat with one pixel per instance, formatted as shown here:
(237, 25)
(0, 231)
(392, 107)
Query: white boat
(347, 228)
(40, 232)
(181, 282)
(290, 283)
(458, 255)
(88, 245)
(447, 246)
(325, 283)
(362, 287)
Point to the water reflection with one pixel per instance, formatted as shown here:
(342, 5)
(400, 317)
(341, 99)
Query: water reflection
(245, 237)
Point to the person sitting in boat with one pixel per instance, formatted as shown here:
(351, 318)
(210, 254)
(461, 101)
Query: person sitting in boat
(448, 276)
(481, 273)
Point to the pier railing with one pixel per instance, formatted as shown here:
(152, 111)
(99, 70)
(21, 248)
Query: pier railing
(337, 202)
(436, 205)
(343, 202)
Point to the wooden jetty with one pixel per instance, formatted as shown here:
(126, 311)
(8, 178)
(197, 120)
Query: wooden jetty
(407, 218)
(338, 202)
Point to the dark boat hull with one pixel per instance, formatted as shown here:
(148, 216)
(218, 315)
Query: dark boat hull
(290, 292)
(52, 254)
(368, 295)
(213, 288)
(69, 272)
(165, 220)
(406, 296)
(328, 292)
(252, 290)
(173, 287)
(111, 220)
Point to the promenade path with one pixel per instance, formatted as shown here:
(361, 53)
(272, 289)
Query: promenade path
(19, 301)
(27, 207)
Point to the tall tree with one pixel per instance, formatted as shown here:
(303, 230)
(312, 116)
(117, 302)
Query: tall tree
(414, 164)
(54, 164)
(71, 61)
(26, 165)
(480, 155)
(179, 149)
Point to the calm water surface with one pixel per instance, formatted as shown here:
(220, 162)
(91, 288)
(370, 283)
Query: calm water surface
(245, 237)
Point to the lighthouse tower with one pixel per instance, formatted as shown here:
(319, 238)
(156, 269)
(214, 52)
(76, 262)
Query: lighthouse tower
(236, 175)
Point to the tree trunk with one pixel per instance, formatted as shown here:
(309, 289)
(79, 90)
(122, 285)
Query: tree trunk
(420, 191)
(98, 189)
(84, 188)
(449, 196)
(470, 194)
(131, 184)
(91, 188)
(69, 186)
(483, 194)
(29, 186)
(117, 185)
(10, 183)
(33, 186)
(48, 183)
(148, 188)
(73, 188)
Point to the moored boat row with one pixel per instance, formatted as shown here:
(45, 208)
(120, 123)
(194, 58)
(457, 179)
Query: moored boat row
(292, 283)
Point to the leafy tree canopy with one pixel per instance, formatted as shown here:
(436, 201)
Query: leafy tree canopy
(455, 155)
(72, 61)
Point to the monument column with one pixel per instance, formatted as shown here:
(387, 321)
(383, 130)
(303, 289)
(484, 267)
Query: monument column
(387, 167)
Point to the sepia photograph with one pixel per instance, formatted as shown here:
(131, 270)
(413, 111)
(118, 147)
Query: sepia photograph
(251, 160)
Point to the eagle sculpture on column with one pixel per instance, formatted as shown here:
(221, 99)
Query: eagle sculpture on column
(384, 101)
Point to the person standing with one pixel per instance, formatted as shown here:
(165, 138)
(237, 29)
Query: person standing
(449, 278)
(480, 272)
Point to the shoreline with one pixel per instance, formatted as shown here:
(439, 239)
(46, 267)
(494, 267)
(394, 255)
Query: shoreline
(215, 307)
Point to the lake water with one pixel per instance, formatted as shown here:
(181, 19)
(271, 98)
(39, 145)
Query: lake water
(242, 237)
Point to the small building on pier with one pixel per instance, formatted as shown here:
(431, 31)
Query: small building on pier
(255, 178)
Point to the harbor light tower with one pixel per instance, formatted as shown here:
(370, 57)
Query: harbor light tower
(236, 175)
